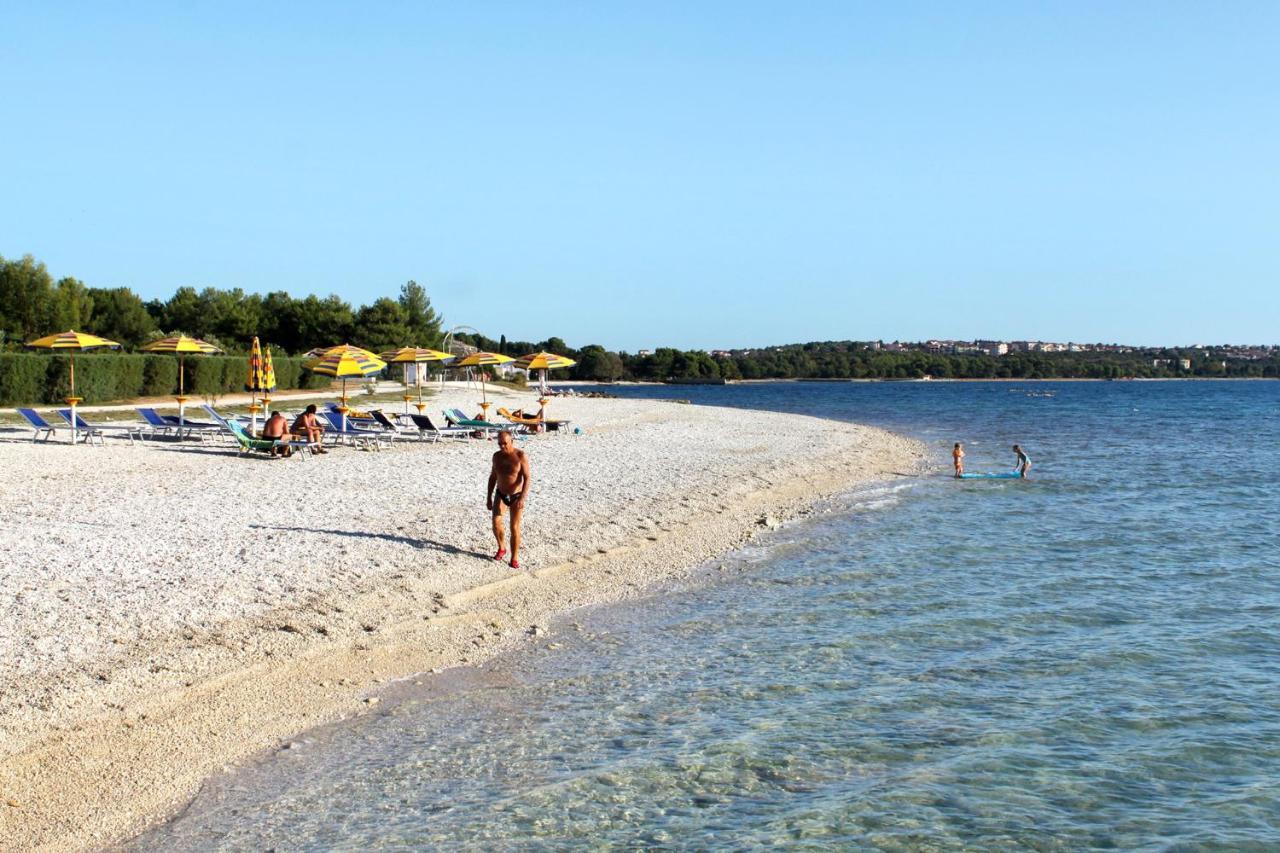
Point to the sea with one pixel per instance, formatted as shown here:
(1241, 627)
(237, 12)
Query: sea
(1087, 659)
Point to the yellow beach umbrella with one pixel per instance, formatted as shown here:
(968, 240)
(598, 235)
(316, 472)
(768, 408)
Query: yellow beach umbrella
(72, 342)
(255, 383)
(543, 361)
(268, 380)
(415, 356)
(343, 362)
(181, 346)
(483, 359)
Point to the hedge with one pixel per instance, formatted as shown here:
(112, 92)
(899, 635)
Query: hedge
(30, 378)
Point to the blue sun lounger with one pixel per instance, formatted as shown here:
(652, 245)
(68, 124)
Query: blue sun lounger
(39, 424)
(366, 438)
(165, 424)
(90, 431)
(427, 427)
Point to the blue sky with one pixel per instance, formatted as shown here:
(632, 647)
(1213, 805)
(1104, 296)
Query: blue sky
(687, 174)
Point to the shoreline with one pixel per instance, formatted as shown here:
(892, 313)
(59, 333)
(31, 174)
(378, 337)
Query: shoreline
(176, 709)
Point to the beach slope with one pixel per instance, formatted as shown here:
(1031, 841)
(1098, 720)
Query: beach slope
(173, 609)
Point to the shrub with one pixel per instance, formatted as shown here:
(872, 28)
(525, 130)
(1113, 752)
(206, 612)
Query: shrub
(22, 377)
(159, 375)
(30, 378)
(204, 376)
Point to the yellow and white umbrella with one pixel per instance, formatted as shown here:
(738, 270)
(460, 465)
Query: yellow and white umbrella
(72, 342)
(483, 359)
(181, 346)
(414, 356)
(543, 361)
(343, 362)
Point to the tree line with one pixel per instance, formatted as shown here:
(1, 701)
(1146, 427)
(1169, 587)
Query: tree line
(33, 304)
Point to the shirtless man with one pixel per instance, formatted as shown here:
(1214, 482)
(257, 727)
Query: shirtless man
(275, 428)
(308, 427)
(957, 458)
(508, 484)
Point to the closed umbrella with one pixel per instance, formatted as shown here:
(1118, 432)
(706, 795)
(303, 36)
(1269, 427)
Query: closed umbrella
(268, 380)
(255, 383)
(484, 359)
(343, 362)
(414, 356)
(181, 346)
(72, 342)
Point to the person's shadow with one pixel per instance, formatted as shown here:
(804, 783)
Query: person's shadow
(420, 544)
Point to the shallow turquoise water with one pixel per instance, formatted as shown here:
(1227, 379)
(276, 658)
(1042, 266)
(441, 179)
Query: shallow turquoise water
(1087, 659)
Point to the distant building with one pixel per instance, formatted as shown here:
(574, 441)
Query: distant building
(642, 353)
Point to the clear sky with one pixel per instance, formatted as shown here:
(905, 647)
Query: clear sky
(686, 174)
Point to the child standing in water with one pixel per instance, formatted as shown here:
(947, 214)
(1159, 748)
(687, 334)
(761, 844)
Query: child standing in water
(1024, 462)
(957, 458)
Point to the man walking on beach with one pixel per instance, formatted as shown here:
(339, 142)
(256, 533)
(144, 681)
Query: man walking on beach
(509, 481)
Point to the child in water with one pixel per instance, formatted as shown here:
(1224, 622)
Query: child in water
(1024, 462)
(957, 457)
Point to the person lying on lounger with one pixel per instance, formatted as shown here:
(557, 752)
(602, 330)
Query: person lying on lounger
(306, 426)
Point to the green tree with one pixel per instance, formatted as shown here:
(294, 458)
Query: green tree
(382, 325)
(72, 304)
(325, 322)
(421, 319)
(281, 323)
(185, 312)
(26, 299)
(118, 314)
(597, 363)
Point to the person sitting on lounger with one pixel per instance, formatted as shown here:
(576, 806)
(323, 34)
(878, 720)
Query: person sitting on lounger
(509, 480)
(276, 429)
(306, 426)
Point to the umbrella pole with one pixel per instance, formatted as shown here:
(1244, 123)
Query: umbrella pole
(182, 400)
(343, 407)
(72, 399)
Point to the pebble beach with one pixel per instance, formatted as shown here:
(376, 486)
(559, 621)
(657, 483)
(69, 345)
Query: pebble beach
(171, 609)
